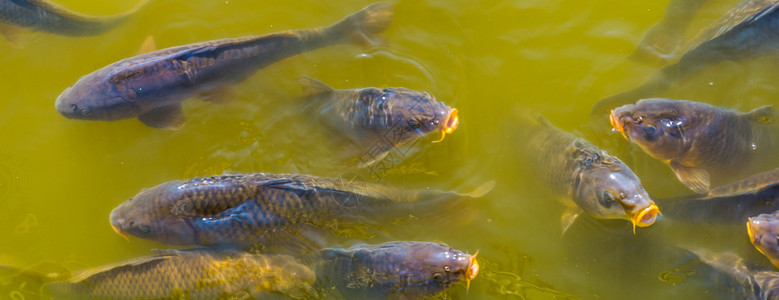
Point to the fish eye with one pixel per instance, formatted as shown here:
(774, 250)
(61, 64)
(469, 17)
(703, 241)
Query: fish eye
(447, 268)
(144, 228)
(438, 277)
(608, 199)
(87, 112)
(649, 129)
(414, 123)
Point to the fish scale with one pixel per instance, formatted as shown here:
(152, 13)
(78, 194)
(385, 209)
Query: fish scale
(267, 209)
(197, 274)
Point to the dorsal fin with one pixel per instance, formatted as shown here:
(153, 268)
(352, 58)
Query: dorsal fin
(762, 115)
(752, 184)
(313, 87)
(148, 45)
(146, 262)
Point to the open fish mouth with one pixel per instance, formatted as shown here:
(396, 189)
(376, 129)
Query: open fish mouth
(472, 271)
(617, 125)
(645, 217)
(450, 124)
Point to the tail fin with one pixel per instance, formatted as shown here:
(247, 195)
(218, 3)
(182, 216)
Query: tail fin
(361, 26)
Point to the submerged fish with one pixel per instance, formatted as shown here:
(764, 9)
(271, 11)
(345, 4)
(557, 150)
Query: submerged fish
(382, 118)
(697, 140)
(597, 183)
(46, 16)
(755, 283)
(269, 209)
(732, 203)
(191, 274)
(152, 86)
(746, 31)
(395, 270)
(763, 231)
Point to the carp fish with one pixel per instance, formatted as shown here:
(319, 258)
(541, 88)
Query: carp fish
(395, 270)
(378, 120)
(190, 274)
(152, 86)
(586, 178)
(46, 16)
(763, 231)
(755, 284)
(270, 209)
(697, 140)
(746, 31)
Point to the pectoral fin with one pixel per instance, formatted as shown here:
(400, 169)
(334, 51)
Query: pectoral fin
(570, 215)
(313, 87)
(696, 179)
(166, 117)
(762, 115)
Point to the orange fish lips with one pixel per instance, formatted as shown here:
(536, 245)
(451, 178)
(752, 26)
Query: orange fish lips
(450, 124)
(645, 217)
(472, 271)
(616, 124)
(120, 233)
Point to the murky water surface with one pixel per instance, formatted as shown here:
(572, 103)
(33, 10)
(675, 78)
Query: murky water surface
(60, 178)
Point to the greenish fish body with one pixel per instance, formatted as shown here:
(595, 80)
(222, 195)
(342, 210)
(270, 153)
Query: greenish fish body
(267, 209)
(395, 270)
(377, 120)
(700, 142)
(597, 183)
(45, 16)
(192, 274)
(152, 86)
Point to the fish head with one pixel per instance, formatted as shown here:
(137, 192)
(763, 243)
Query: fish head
(763, 231)
(608, 189)
(93, 99)
(148, 216)
(411, 114)
(663, 128)
(429, 268)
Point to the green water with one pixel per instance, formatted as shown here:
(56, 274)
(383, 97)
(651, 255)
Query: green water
(60, 178)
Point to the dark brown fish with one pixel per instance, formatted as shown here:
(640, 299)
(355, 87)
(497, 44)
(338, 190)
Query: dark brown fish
(46, 16)
(590, 179)
(152, 86)
(270, 209)
(746, 31)
(377, 120)
(756, 284)
(191, 274)
(763, 231)
(700, 141)
(395, 270)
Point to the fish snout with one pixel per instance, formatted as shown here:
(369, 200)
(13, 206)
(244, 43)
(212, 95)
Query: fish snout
(646, 216)
(450, 124)
(620, 121)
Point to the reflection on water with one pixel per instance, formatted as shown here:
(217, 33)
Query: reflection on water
(485, 58)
